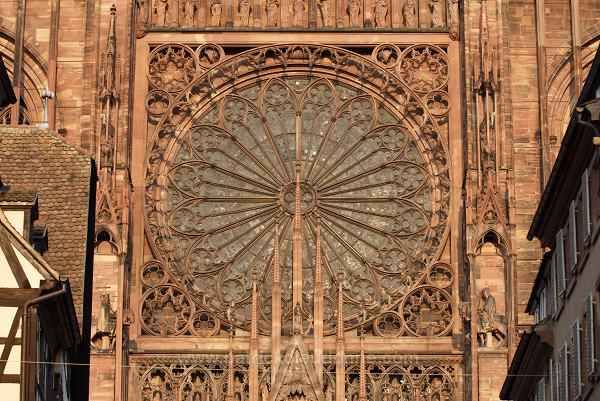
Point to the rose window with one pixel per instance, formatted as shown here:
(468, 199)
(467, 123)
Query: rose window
(365, 180)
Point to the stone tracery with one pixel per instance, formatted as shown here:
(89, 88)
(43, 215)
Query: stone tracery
(213, 208)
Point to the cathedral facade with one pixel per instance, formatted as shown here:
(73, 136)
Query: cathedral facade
(306, 199)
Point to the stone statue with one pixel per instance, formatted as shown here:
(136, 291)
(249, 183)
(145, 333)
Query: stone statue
(297, 319)
(489, 325)
(298, 9)
(453, 19)
(408, 14)
(216, 9)
(272, 12)
(244, 10)
(329, 393)
(264, 392)
(105, 328)
(142, 11)
(354, 12)
(381, 11)
(435, 6)
(325, 7)
(160, 9)
(189, 8)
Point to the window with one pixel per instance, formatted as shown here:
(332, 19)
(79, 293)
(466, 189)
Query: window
(572, 237)
(576, 360)
(563, 366)
(560, 263)
(543, 309)
(590, 357)
(585, 203)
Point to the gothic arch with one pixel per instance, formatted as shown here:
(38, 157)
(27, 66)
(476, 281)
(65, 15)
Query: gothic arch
(35, 74)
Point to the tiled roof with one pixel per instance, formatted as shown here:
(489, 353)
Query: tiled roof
(11, 196)
(37, 160)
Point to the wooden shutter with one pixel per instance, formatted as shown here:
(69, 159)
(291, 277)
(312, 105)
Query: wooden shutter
(585, 203)
(552, 289)
(553, 381)
(572, 237)
(590, 357)
(563, 374)
(560, 263)
(576, 359)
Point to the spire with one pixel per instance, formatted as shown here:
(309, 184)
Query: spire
(276, 267)
(230, 389)
(362, 382)
(340, 307)
(111, 42)
(254, 327)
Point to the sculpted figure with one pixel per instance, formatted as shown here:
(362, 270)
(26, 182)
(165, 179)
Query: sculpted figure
(298, 12)
(325, 7)
(489, 325)
(264, 391)
(435, 6)
(105, 328)
(189, 8)
(408, 14)
(160, 9)
(272, 12)
(244, 10)
(216, 9)
(142, 11)
(354, 12)
(453, 19)
(381, 11)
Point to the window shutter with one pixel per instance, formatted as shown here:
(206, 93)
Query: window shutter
(540, 390)
(543, 309)
(564, 374)
(552, 282)
(590, 356)
(553, 380)
(572, 234)
(560, 263)
(585, 201)
(576, 341)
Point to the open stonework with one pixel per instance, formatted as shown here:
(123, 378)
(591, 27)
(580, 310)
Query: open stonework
(309, 200)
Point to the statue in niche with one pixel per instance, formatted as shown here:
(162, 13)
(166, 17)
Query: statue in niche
(189, 8)
(298, 9)
(381, 11)
(264, 391)
(103, 339)
(408, 14)
(329, 393)
(244, 10)
(142, 11)
(325, 7)
(435, 6)
(354, 12)
(272, 12)
(161, 7)
(453, 19)
(491, 329)
(216, 9)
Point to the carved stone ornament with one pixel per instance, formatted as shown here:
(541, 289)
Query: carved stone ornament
(424, 68)
(386, 55)
(166, 310)
(171, 67)
(272, 13)
(219, 176)
(298, 13)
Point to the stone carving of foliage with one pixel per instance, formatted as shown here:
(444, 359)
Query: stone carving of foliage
(157, 102)
(424, 68)
(427, 311)
(378, 179)
(172, 67)
(166, 311)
